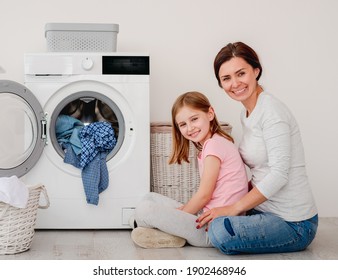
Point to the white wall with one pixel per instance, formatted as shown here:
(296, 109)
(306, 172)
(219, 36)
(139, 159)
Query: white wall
(297, 42)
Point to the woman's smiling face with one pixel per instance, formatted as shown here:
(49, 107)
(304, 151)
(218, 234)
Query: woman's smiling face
(238, 79)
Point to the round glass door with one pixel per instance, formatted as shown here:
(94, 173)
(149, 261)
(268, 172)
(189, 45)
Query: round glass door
(21, 116)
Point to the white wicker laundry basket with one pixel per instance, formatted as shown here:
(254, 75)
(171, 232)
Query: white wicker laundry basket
(17, 224)
(177, 181)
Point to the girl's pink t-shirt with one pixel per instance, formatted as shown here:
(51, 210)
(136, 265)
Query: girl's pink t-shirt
(232, 181)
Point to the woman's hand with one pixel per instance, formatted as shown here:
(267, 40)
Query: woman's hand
(247, 202)
(212, 214)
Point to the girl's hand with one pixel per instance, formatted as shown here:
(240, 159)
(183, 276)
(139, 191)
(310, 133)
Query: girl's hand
(180, 208)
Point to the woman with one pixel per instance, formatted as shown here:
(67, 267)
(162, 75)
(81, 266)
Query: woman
(281, 212)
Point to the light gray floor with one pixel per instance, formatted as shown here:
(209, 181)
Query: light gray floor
(117, 245)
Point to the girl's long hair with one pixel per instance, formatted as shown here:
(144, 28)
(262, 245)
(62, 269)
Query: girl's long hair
(180, 145)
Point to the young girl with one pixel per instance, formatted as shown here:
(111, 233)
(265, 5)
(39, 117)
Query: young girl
(164, 222)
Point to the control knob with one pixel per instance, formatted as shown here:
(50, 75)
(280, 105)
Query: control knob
(87, 64)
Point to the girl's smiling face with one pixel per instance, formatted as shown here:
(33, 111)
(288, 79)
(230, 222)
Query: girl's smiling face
(194, 124)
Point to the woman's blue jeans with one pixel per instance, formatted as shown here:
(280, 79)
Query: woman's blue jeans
(259, 232)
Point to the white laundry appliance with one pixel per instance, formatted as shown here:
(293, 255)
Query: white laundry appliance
(92, 87)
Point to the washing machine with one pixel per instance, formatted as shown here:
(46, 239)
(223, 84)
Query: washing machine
(92, 87)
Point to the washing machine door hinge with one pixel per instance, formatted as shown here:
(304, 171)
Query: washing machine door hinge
(44, 129)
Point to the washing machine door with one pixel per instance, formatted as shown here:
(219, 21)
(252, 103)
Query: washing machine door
(22, 128)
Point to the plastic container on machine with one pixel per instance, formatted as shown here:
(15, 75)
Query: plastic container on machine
(81, 37)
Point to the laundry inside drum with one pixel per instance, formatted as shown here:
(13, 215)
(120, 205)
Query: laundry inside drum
(89, 110)
(81, 112)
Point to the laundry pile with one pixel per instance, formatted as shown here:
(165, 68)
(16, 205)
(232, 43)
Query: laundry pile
(86, 147)
(13, 192)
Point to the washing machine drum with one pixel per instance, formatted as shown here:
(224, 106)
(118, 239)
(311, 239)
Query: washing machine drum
(85, 108)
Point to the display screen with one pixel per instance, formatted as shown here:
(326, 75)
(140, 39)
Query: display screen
(125, 65)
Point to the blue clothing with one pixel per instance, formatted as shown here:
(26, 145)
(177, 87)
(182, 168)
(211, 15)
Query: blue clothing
(97, 141)
(70, 156)
(95, 178)
(67, 131)
(96, 137)
(260, 232)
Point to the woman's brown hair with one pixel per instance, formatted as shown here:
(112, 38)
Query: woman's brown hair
(180, 148)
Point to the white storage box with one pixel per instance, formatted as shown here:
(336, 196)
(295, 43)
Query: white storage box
(81, 37)
(177, 181)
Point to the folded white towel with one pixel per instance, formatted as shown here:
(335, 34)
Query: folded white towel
(13, 192)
